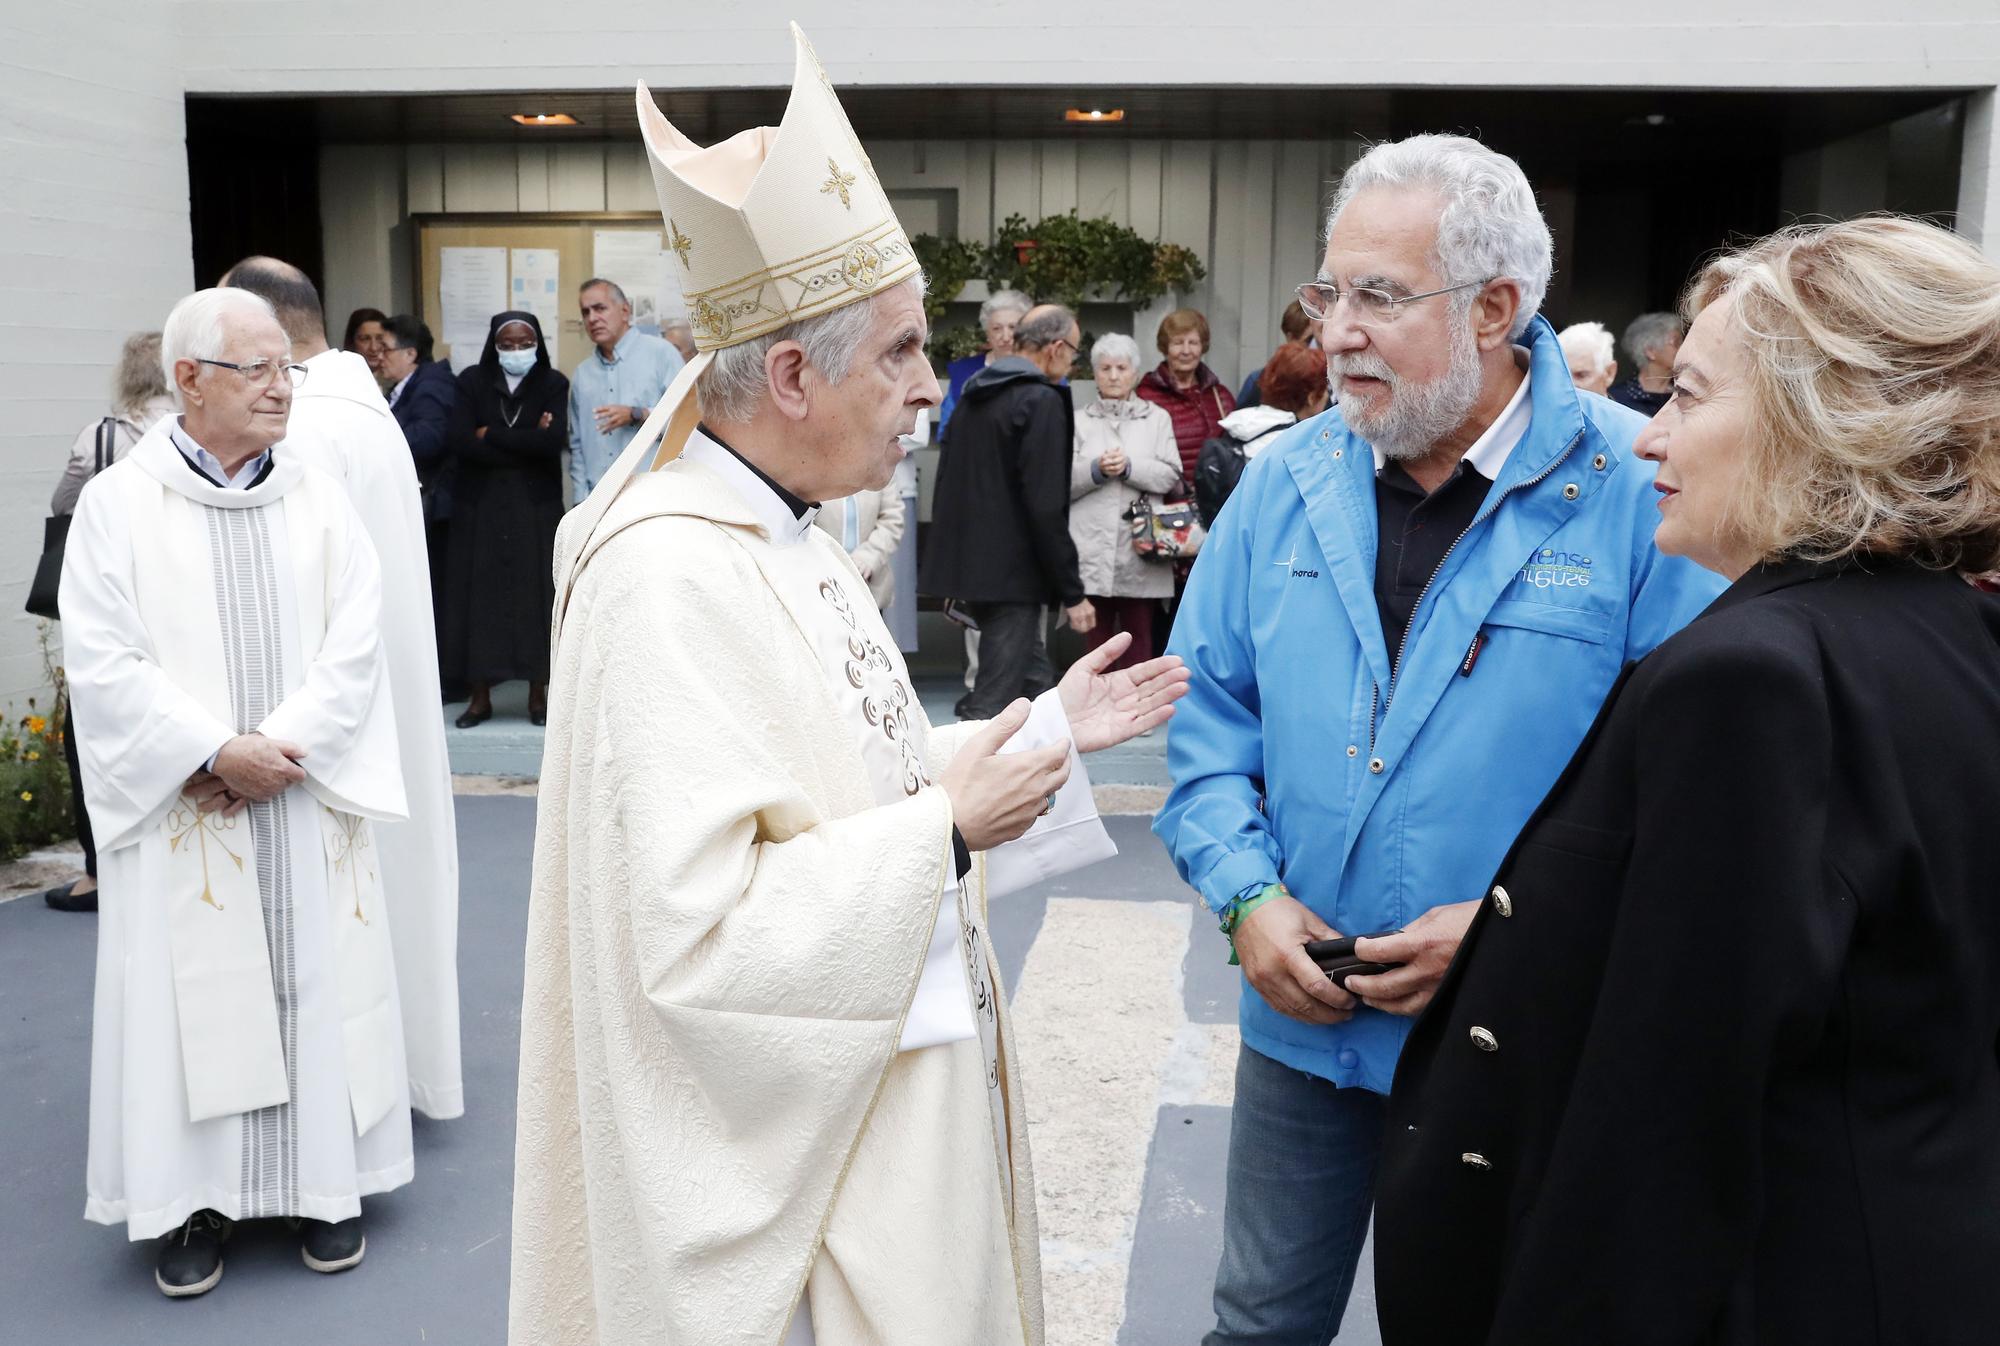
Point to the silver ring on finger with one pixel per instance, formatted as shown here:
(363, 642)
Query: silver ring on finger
(1048, 806)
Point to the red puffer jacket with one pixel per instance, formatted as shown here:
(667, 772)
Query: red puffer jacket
(1197, 412)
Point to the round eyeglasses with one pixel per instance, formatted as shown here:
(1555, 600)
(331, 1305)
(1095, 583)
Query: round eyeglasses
(1372, 307)
(261, 373)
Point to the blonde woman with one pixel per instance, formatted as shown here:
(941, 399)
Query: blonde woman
(138, 398)
(1716, 1062)
(1124, 451)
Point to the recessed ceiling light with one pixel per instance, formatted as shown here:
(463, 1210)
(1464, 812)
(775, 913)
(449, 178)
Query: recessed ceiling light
(544, 119)
(1077, 114)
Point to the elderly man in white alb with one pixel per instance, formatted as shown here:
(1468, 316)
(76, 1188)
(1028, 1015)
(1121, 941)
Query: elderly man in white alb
(769, 1091)
(340, 425)
(221, 613)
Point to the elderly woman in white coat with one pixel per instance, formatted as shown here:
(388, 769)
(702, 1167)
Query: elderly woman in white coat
(1124, 450)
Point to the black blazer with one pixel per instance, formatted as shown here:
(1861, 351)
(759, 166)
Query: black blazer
(999, 530)
(425, 412)
(1719, 1059)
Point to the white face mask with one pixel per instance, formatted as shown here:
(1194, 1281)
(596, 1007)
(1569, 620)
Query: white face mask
(518, 363)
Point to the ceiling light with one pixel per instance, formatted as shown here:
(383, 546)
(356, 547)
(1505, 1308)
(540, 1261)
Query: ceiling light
(544, 119)
(1076, 114)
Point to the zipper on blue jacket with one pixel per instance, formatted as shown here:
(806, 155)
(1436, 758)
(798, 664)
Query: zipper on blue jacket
(1396, 670)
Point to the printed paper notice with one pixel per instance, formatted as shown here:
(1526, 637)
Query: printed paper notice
(472, 287)
(536, 277)
(632, 259)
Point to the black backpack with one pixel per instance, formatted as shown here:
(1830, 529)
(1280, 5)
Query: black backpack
(1217, 469)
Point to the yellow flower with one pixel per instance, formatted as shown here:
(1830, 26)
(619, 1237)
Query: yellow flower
(27, 796)
(36, 724)
(34, 757)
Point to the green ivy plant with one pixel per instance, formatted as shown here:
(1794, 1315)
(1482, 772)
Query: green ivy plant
(948, 264)
(1061, 259)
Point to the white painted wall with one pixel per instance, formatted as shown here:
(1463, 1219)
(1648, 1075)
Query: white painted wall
(1252, 209)
(94, 245)
(312, 46)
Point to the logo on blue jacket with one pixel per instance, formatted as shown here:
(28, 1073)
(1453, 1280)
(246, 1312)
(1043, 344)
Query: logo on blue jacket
(1548, 568)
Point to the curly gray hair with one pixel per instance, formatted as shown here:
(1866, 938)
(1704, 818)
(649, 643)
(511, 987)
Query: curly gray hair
(1491, 227)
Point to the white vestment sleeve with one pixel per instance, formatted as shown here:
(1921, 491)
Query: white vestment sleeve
(139, 735)
(1071, 835)
(341, 713)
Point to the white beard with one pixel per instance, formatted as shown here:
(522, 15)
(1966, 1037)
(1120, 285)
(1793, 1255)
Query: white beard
(1417, 415)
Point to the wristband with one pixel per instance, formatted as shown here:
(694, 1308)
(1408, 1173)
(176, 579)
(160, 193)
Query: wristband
(1232, 915)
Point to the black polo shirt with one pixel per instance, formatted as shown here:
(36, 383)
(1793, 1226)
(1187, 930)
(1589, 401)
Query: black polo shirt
(1413, 531)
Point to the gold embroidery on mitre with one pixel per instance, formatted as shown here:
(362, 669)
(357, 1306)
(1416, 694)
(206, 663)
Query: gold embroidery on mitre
(861, 268)
(710, 320)
(838, 184)
(679, 242)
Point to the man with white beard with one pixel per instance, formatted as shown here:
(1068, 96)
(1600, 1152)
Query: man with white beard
(1399, 630)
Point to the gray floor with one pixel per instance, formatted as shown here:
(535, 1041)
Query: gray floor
(438, 1249)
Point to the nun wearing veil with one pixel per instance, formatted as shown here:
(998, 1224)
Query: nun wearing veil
(512, 427)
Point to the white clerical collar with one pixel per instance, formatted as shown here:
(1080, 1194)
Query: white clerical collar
(1489, 453)
(786, 528)
(211, 466)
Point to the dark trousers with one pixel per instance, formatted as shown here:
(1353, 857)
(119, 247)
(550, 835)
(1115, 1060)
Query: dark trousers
(76, 793)
(1013, 658)
(1124, 614)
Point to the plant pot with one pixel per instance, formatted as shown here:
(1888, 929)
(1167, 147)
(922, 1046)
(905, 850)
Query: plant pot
(1023, 250)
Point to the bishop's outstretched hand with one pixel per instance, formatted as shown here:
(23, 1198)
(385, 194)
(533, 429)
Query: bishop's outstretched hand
(1105, 709)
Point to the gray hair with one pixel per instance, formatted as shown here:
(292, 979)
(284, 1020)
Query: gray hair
(1049, 324)
(1589, 340)
(1114, 346)
(1491, 227)
(617, 291)
(193, 331)
(138, 380)
(1647, 331)
(1001, 300)
(735, 381)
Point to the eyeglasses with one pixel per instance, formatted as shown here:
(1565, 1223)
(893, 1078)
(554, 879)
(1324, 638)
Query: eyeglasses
(261, 373)
(1372, 307)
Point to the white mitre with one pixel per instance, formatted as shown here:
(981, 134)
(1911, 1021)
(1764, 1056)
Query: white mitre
(773, 225)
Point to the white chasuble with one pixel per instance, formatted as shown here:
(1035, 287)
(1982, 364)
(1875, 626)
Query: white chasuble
(744, 908)
(341, 425)
(246, 1051)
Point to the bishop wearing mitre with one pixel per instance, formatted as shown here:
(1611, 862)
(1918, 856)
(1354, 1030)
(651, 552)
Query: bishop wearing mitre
(221, 606)
(769, 1090)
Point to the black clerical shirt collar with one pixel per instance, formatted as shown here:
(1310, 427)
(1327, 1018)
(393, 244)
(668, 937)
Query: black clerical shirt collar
(798, 507)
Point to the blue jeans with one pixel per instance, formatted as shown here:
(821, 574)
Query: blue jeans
(1301, 1182)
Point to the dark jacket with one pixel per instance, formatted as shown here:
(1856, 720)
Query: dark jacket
(999, 530)
(1197, 411)
(425, 412)
(507, 502)
(1716, 1061)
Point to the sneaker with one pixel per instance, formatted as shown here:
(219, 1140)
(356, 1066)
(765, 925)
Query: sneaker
(332, 1247)
(191, 1257)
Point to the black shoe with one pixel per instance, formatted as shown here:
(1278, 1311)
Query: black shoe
(332, 1247)
(538, 716)
(472, 717)
(191, 1257)
(64, 897)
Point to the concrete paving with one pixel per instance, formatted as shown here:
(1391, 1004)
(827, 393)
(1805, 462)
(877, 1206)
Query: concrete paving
(1127, 1015)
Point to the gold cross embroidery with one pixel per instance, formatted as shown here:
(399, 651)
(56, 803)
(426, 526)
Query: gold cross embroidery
(188, 821)
(679, 242)
(353, 839)
(838, 184)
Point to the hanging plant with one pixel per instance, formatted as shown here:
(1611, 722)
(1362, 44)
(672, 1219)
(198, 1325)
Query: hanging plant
(948, 264)
(1061, 259)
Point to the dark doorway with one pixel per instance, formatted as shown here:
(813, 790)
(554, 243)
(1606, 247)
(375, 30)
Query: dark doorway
(253, 184)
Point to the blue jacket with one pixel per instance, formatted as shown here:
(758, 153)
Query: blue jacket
(1294, 754)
